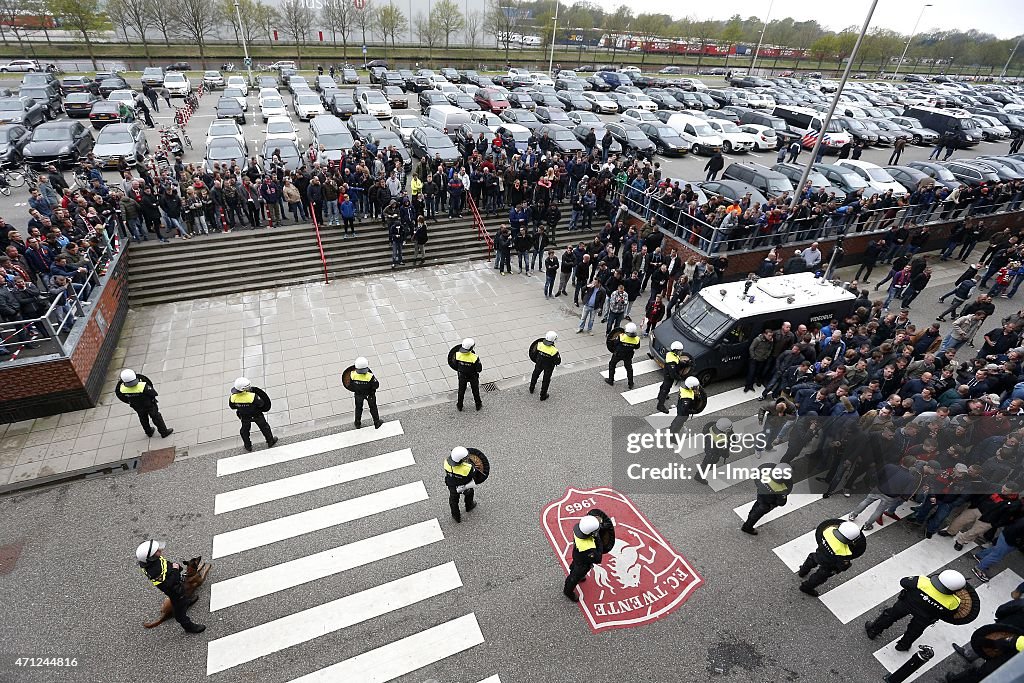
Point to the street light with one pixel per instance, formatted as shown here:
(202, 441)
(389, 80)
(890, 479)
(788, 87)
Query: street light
(764, 28)
(245, 46)
(909, 40)
(554, 28)
(1002, 74)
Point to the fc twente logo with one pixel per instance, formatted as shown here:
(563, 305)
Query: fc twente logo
(640, 579)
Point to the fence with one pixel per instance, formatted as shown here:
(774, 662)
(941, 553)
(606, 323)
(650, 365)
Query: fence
(481, 229)
(319, 243)
(729, 236)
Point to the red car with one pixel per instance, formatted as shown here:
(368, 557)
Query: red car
(491, 100)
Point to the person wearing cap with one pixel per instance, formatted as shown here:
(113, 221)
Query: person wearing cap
(547, 358)
(717, 439)
(587, 550)
(626, 345)
(925, 599)
(458, 477)
(251, 405)
(139, 393)
(670, 373)
(166, 576)
(833, 555)
(467, 364)
(364, 386)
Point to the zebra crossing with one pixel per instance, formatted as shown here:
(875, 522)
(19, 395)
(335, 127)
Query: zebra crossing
(237, 535)
(863, 590)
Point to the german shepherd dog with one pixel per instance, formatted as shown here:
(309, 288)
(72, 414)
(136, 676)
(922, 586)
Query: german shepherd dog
(193, 576)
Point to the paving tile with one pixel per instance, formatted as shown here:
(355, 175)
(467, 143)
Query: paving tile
(113, 438)
(25, 472)
(32, 454)
(52, 466)
(81, 459)
(5, 475)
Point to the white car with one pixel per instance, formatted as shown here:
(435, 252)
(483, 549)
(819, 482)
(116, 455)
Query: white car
(694, 83)
(486, 118)
(272, 106)
(469, 89)
(127, 96)
(698, 134)
(636, 116)
(177, 84)
(765, 139)
(877, 177)
(539, 78)
(268, 92)
(437, 80)
(226, 128)
(405, 124)
(642, 101)
(374, 103)
(733, 139)
(239, 96)
(600, 102)
(28, 65)
(281, 128)
(586, 118)
(631, 70)
(308, 104)
(238, 82)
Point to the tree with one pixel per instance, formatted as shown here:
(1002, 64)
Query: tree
(339, 18)
(83, 16)
(198, 20)
(10, 14)
(251, 13)
(428, 32)
(164, 16)
(474, 20)
(448, 18)
(823, 47)
(502, 20)
(647, 26)
(844, 43)
(615, 24)
(390, 22)
(733, 33)
(364, 18)
(702, 31)
(297, 20)
(134, 15)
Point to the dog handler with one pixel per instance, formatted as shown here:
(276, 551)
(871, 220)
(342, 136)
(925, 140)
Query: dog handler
(166, 576)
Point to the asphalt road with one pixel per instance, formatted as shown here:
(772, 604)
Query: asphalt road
(75, 590)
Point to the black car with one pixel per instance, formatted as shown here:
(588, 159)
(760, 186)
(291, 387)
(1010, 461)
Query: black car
(428, 98)
(109, 85)
(77, 105)
(665, 138)
(105, 112)
(521, 100)
(553, 115)
(426, 143)
(397, 98)
(468, 76)
(598, 83)
(58, 142)
(180, 66)
(70, 84)
(47, 96)
(363, 124)
(394, 79)
(914, 78)
(562, 139)
(383, 139)
(632, 139)
(467, 134)
(523, 117)
(377, 74)
(13, 139)
(230, 108)
(574, 99)
(665, 100)
(266, 82)
(21, 110)
(342, 104)
(749, 82)
(583, 130)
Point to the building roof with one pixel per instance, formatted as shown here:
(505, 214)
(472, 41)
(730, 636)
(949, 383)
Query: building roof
(773, 294)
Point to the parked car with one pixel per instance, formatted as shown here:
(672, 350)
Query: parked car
(734, 191)
(180, 66)
(342, 104)
(513, 136)
(374, 103)
(176, 84)
(20, 65)
(561, 137)
(231, 91)
(224, 151)
(281, 128)
(601, 103)
(70, 84)
(632, 139)
(308, 105)
(154, 76)
(23, 110)
(58, 142)
(104, 113)
(430, 98)
(272, 106)
(229, 108)
(521, 117)
(349, 76)
(428, 143)
(121, 141)
(13, 138)
(77, 105)
(288, 151)
(552, 115)
(109, 85)
(226, 128)
(910, 178)
(665, 138)
(491, 100)
(213, 80)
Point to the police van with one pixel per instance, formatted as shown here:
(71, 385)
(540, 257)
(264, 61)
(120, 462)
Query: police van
(807, 123)
(717, 325)
(957, 122)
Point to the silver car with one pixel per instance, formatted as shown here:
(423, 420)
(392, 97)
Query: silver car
(118, 141)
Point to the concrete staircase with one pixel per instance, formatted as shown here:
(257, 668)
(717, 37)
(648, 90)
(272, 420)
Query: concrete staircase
(245, 259)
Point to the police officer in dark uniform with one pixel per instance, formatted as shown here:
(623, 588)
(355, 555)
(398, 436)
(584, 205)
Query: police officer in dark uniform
(138, 392)
(166, 576)
(718, 436)
(364, 386)
(458, 477)
(251, 404)
(671, 374)
(547, 359)
(587, 550)
(772, 492)
(687, 403)
(833, 555)
(627, 344)
(467, 364)
(925, 599)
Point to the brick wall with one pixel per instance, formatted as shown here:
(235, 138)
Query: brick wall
(48, 387)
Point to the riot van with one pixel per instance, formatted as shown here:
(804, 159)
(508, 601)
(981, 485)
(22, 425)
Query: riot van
(717, 325)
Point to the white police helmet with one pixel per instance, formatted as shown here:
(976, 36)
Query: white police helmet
(361, 363)
(459, 454)
(631, 328)
(551, 337)
(129, 377)
(589, 524)
(677, 346)
(691, 383)
(242, 384)
(147, 549)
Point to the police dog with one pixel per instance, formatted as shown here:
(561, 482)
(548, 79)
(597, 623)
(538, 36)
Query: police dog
(193, 576)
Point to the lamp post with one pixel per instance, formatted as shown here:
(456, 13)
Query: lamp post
(245, 45)
(764, 28)
(1009, 59)
(554, 28)
(909, 40)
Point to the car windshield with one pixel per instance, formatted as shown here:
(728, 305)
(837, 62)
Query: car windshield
(703, 129)
(854, 124)
(273, 103)
(942, 173)
(374, 97)
(881, 175)
(667, 133)
(223, 129)
(526, 116)
(561, 135)
(109, 136)
(211, 73)
(307, 99)
(573, 85)
(228, 104)
(729, 127)
(151, 71)
(520, 135)
(496, 97)
(968, 124)
(779, 185)
(335, 141)
(701, 321)
(223, 150)
(834, 127)
(635, 135)
(78, 97)
(35, 93)
(233, 92)
(174, 77)
(284, 151)
(50, 135)
(10, 105)
(279, 127)
(557, 115)
(369, 124)
(852, 179)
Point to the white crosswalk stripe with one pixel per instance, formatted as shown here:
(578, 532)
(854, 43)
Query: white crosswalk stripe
(491, 679)
(941, 635)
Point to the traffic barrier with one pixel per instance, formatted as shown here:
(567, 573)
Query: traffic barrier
(319, 243)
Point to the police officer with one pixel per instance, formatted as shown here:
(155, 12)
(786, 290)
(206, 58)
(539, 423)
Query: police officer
(926, 599)
(686, 404)
(365, 386)
(138, 392)
(467, 363)
(458, 477)
(717, 439)
(671, 371)
(547, 359)
(627, 344)
(587, 550)
(167, 577)
(1001, 651)
(250, 404)
(772, 492)
(833, 556)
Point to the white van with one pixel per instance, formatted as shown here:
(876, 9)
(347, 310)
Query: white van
(696, 132)
(447, 118)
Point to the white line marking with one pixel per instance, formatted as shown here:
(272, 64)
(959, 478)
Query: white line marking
(864, 591)
(403, 656)
(305, 569)
(491, 679)
(247, 538)
(303, 449)
(794, 502)
(274, 636)
(641, 368)
(311, 481)
(941, 636)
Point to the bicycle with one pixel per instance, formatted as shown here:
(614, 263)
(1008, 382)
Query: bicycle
(12, 177)
(182, 134)
(31, 176)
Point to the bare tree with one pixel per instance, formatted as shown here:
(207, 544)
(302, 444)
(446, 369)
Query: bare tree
(364, 19)
(82, 16)
(198, 21)
(474, 20)
(264, 18)
(502, 20)
(11, 15)
(339, 18)
(164, 16)
(391, 22)
(297, 20)
(134, 15)
(448, 19)
(428, 32)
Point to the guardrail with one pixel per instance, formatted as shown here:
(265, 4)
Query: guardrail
(319, 242)
(481, 228)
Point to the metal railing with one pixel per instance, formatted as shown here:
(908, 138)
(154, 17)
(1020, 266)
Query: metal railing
(481, 228)
(711, 238)
(52, 333)
(319, 242)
